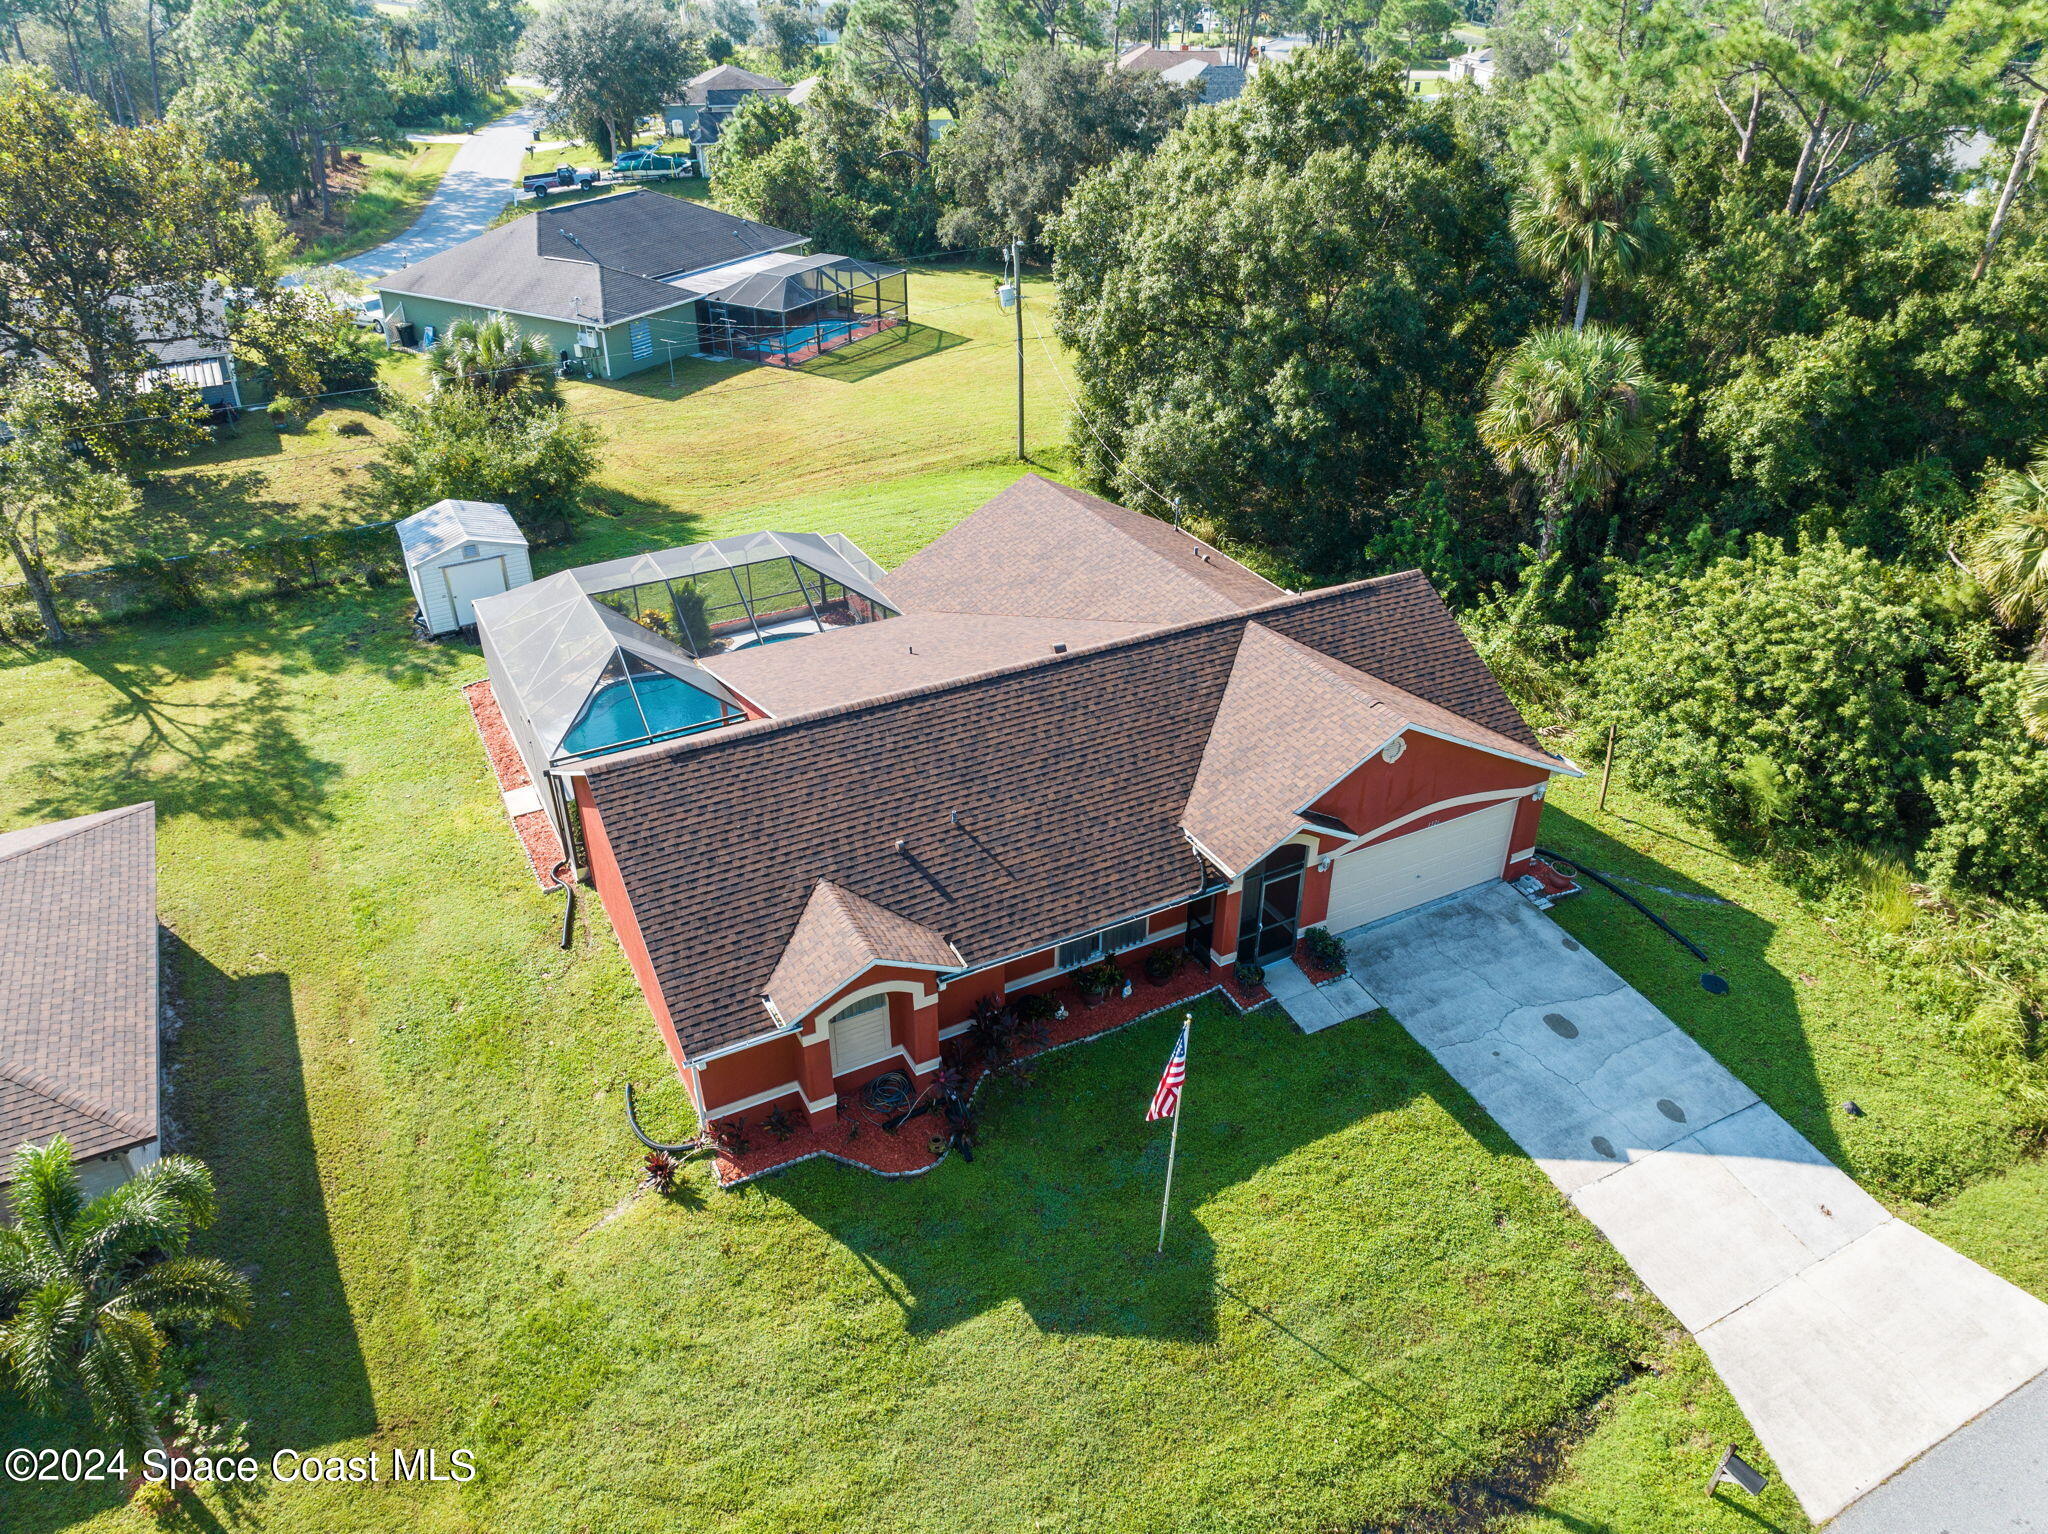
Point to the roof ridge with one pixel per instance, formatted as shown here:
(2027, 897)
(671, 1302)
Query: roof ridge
(754, 728)
(66, 1097)
(78, 825)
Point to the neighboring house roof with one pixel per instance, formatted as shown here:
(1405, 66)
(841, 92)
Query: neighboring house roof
(697, 91)
(609, 272)
(838, 938)
(1217, 82)
(1113, 564)
(448, 524)
(1158, 60)
(1032, 803)
(78, 983)
(1260, 769)
(801, 92)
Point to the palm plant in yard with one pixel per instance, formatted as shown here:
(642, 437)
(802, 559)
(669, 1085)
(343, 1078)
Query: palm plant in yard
(496, 358)
(88, 1286)
(1592, 211)
(1572, 409)
(2010, 561)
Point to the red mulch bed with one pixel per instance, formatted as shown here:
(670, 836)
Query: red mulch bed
(543, 848)
(859, 1140)
(1555, 884)
(1305, 962)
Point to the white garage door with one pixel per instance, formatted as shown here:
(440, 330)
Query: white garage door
(1426, 865)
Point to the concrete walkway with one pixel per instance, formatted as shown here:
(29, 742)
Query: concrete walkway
(479, 182)
(1851, 1340)
(1315, 1007)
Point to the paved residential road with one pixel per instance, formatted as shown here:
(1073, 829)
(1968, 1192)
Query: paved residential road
(1853, 1341)
(479, 183)
(1990, 1477)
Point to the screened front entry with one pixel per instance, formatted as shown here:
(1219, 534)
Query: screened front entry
(1272, 906)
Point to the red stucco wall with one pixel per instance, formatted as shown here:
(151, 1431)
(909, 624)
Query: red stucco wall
(1429, 771)
(604, 874)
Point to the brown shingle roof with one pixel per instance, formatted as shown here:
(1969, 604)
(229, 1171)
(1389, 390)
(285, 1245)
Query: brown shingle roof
(871, 660)
(1046, 550)
(838, 937)
(78, 982)
(1260, 768)
(1068, 774)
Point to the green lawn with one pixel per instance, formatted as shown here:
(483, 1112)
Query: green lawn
(932, 399)
(397, 186)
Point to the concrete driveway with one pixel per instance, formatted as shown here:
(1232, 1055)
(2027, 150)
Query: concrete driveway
(1852, 1341)
(479, 182)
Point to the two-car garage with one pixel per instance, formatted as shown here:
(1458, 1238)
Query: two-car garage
(1403, 871)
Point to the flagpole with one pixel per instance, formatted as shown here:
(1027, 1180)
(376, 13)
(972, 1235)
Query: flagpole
(1173, 1141)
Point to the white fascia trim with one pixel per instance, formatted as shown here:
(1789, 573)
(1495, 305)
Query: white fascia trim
(814, 1026)
(1548, 763)
(741, 1105)
(1235, 875)
(1491, 796)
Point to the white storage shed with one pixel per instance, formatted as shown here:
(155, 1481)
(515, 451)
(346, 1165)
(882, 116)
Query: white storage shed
(458, 551)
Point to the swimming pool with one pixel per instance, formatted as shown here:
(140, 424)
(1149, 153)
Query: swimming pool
(791, 628)
(821, 335)
(612, 718)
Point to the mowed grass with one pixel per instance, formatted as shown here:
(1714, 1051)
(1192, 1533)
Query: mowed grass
(396, 184)
(705, 448)
(412, 1098)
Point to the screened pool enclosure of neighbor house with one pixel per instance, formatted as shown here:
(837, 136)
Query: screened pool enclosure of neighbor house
(786, 309)
(604, 658)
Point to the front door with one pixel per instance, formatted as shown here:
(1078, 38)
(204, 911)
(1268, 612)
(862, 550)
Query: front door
(1272, 906)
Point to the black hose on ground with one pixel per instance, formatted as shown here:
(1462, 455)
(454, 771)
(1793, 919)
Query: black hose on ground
(1709, 981)
(640, 1134)
(562, 877)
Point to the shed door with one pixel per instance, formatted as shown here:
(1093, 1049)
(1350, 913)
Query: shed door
(1426, 865)
(860, 1035)
(467, 582)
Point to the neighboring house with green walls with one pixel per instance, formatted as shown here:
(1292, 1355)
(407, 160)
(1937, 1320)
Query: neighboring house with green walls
(600, 280)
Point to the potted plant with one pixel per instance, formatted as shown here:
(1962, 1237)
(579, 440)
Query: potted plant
(1163, 963)
(1250, 976)
(1097, 981)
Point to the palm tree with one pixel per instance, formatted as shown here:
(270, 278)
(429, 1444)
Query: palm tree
(1572, 408)
(2010, 561)
(1592, 209)
(87, 1287)
(494, 357)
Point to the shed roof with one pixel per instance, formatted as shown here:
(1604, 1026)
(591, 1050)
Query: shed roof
(78, 982)
(449, 524)
(608, 272)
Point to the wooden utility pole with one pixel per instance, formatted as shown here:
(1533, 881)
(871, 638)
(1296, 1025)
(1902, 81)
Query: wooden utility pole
(1608, 770)
(1017, 306)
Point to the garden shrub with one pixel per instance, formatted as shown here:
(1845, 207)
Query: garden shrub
(1993, 802)
(1795, 689)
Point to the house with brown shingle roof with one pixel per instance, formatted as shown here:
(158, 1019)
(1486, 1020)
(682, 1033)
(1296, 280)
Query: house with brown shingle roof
(78, 991)
(1069, 732)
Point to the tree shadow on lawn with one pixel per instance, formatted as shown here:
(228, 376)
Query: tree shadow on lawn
(239, 1101)
(197, 714)
(1059, 1211)
(908, 342)
(1755, 1030)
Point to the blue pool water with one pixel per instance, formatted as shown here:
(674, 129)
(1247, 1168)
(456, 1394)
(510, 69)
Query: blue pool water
(804, 335)
(611, 720)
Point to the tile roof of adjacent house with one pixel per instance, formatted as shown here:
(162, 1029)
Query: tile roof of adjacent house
(1113, 564)
(839, 937)
(1158, 60)
(1260, 769)
(78, 982)
(728, 77)
(609, 272)
(1004, 811)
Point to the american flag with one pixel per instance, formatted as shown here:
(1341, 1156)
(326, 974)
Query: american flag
(1166, 1101)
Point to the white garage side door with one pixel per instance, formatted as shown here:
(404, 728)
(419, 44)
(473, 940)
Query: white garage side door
(860, 1035)
(1426, 865)
(467, 582)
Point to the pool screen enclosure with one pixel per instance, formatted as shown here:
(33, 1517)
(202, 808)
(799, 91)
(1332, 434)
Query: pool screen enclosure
(785, 310)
